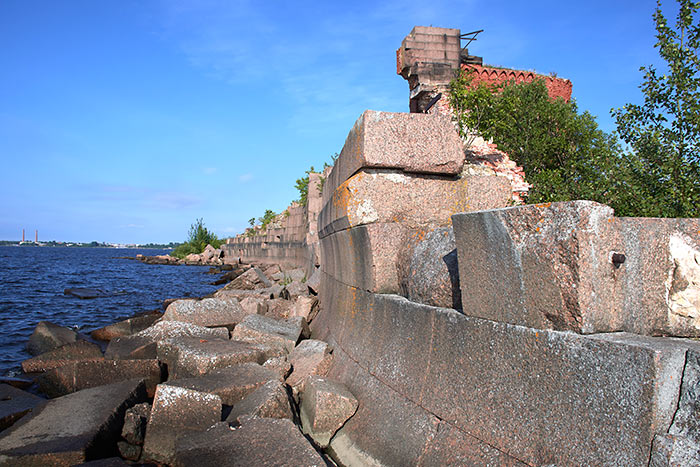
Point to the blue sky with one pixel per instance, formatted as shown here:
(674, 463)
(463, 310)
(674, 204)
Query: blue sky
(124, 121)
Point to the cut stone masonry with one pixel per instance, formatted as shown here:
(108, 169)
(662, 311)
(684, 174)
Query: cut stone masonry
(472, 333)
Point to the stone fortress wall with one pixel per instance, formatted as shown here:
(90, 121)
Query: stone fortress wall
(474, 333)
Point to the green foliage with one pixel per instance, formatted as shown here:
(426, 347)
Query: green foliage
(564, 154)
(251, 221)
(663, 133)
(302, 185)
(197, 240)
(266, 218)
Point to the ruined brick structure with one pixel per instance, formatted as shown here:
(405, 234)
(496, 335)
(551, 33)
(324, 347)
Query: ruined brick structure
(472, 333)
(429, 59)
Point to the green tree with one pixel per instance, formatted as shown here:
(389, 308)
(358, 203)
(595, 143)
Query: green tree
(266, 218)
(198, 238)
(564, 154)
(663, 133)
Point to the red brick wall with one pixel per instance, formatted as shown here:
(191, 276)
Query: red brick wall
(557, 87)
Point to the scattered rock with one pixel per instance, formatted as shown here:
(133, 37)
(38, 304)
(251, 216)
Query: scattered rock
(227, 277)
(278, 308)
(252, 279)
(295, 275)
(176, 411)
(310, 357)
(304, 306)
(131, 348)
(254, 305)
(84, 293)
(231, 384)
(264, 329)
(207, 312)
(129, 451)
(325, 407)
(314, 282)
(72, 428)
(135, 421)
(280, 365)
(48, 336)
(267, 401)
(76, 376)
(126, 328)
(257, 442)
(15, 404)
(75, 351)
(191, 357)
(293, 290)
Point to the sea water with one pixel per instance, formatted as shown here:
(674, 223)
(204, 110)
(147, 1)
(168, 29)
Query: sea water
(32, 281)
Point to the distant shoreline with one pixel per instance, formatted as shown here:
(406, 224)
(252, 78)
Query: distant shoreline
(85, 245)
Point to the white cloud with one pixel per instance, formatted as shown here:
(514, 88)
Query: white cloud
(210, 170)
(245, 178)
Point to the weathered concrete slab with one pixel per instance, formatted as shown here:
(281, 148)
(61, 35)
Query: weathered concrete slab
(427, 268)
(506, 385)
(176, 411)
(573, 266)
(263, 329)
(325, 407)
(231, 384)
(191, 356)
(15, 404)
(417, 143)
(207, 312)
(48, 336)
(126, 327)
(269, 400)
(75, 376)
(261, 441)
(310, 357)
(72, 429)
(414, 200)
(75, 351)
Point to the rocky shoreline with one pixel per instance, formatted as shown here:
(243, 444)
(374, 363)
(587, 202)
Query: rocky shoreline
(228, 379)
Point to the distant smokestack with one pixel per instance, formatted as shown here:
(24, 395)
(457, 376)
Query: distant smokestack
(22, 234)
(36, 236)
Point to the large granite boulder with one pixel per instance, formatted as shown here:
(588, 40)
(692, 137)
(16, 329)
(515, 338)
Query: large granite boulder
(192, 357)
(48, 336)
(126, 327)
(15, 404)
(75, 376)
(257, 442)
(143, 345)
(207, 312)
(325, 406)
(232, 383)
(73, 428)
(176, 411)
(310, 357)
(76, 351)
(263, 329)
(270, 400)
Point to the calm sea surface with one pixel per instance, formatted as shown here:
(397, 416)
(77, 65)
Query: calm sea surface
(32, 280)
